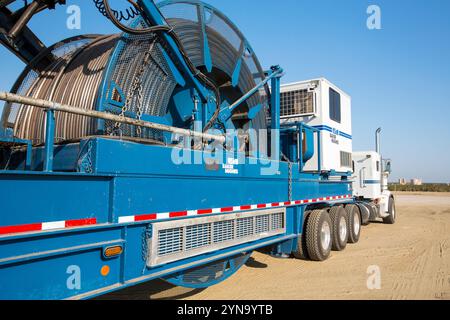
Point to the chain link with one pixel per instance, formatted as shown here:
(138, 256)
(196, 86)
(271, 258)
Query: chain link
(290, 181)
(289, 174)
(146, 236)
(136, 90)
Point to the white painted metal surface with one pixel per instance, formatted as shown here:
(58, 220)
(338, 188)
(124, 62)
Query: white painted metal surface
(367, 175)
(315, 102)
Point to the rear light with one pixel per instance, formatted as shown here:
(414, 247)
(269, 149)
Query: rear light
(112, 252)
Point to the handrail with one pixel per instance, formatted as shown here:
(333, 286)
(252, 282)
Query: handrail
(49, 105)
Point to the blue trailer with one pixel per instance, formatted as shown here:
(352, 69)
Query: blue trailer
(101, 193)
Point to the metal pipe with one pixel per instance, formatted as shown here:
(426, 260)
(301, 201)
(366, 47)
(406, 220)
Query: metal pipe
(378, 140)
(300, 146)
(24, 19)
(49, 105)
(49, 152)
(275, 111)
(236, 104)
(378, 149)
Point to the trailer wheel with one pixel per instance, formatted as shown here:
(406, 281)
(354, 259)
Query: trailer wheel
(340, 232)
(302, 252)
(318, 235)
(354, 223)
(392, 212)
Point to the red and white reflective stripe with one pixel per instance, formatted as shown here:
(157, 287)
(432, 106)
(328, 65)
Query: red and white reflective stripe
(57, 225)
(45, 226)
(190, 213)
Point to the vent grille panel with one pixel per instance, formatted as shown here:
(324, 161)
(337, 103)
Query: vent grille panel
(263, 224)
(170, 241)
(181, 239)
(245, 227)
(223, 231)
(198, 236)
(277, 221)
(296, 103)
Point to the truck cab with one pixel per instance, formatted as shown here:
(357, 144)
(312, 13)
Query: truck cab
(370, 184)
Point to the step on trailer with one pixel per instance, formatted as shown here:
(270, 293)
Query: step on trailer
(167, 152)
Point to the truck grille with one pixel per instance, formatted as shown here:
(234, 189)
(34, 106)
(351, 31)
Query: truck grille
(181, 239)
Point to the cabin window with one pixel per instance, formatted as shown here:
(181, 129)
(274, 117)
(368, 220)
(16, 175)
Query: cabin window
(335, 105)
(378, 166)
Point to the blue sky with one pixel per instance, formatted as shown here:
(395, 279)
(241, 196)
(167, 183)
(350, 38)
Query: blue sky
(398, 77)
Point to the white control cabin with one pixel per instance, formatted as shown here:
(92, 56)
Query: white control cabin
(322, 105)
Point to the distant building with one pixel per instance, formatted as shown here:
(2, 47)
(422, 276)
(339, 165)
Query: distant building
(416, 182)
(402, 181)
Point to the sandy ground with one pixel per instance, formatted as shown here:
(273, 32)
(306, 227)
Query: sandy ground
(413, 257)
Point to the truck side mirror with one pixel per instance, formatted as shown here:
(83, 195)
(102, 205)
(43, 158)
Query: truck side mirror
(388, 167)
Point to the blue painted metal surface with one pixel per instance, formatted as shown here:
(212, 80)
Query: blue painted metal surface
(227, 112)
(104, 180)
(210, 274)
(49, 140)
(126, 178)
(275, 112)
(138, 179)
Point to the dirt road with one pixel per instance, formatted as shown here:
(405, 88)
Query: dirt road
(413, 257)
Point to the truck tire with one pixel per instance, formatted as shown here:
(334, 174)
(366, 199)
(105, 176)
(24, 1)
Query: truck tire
(365, 214)
(354, 223)
(318, 235)
(392, 212)
(339, 236)
(302, 252)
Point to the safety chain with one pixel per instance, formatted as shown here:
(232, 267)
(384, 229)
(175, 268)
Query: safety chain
(136, 89)
(290, 175)
(146, 236)
(85, 163)
(290, 181)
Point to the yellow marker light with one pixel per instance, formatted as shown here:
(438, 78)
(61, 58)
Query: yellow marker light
(113, 251)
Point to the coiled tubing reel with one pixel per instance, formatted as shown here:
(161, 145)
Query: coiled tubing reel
(132, 75)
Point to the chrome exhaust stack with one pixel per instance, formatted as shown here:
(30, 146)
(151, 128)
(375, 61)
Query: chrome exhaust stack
(378, 141)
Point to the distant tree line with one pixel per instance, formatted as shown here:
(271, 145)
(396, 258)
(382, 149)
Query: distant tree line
(427, 187)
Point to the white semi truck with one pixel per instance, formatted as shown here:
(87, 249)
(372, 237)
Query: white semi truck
(370, 185)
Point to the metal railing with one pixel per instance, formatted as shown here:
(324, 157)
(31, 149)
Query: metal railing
(51, 107)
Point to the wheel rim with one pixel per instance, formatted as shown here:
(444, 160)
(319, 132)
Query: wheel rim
(356, 223)
(342, 228)
(393, 212)
(325, 236)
